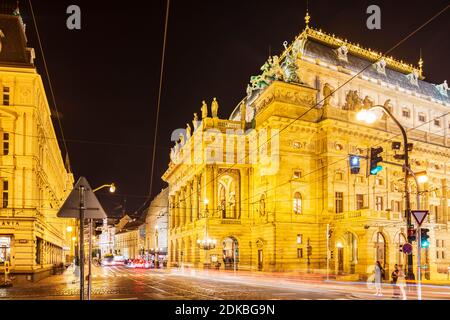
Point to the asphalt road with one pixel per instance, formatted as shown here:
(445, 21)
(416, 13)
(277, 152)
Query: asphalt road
(120, 283)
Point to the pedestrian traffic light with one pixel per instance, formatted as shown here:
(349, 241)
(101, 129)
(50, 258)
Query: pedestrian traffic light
(355, 164)
(424, 238)
(375, 159)
(411, 235)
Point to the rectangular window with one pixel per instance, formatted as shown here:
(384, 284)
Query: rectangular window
(359, 179)
(5, 249)
(339, 202)
(443, 254)
(422, 117)
(437, 122)
(379, 203)
(379, 182)
(406, 113)
(437, 254)
(359, 201)
(299, 239)
(297, 174)
(6, 96)
(299, 253)
(396, 206)
(5, 193)
(5, 144)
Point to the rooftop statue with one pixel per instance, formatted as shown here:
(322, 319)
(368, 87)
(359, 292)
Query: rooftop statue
(442, 88)
(195, 121)
(290, 64)
(243, 111)
(214, 108)
(204, 110)
(188, 131)
(182, 139)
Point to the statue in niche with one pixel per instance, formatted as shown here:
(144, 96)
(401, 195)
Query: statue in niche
(214, 108)
(352, 101)
(188, 131)
(204, 110)
(327, 94)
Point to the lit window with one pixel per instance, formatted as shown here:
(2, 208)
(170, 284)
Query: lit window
(299, 239)
(5, 249)
(6, 144)
(299, 253)
(297, 203)
(6, 96)
(359, 179)
(379, 182)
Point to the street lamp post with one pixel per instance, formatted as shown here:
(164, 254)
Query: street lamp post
(112, 189)
(207, 243)
(369, 117)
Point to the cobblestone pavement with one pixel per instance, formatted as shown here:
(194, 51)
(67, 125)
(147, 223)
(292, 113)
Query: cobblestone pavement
(132, 284)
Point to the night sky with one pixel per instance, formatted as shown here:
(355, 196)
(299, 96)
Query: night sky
(106, 75)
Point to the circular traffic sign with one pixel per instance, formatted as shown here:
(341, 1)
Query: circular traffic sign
(407, 248)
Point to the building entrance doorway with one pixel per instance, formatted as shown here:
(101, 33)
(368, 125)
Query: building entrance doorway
(230, 253)
(340, 260)
(260, 260)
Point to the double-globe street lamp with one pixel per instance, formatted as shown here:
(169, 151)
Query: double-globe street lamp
(206, 243)
(370, 117)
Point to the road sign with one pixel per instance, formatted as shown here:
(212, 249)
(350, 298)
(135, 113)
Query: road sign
(407, 248)
(71, 207)
(420, 215)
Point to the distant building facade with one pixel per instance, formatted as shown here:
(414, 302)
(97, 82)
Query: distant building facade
(129, 239)
(156, 223)
(34, 180)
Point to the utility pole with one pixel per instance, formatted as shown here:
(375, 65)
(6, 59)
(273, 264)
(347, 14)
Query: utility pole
(82, 208)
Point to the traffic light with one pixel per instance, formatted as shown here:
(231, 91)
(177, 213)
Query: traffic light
(331, 254)
(375, 159)
(424, 238)
(411, 235)
(355, 164)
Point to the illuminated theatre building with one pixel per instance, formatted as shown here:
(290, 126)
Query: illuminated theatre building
(269, 216)
(34, 181)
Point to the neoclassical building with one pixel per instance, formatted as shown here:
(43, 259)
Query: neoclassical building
(34, 181)
(266, 184)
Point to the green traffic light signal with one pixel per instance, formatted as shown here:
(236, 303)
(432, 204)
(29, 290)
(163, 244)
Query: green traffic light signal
(375, 159)
(424, 238)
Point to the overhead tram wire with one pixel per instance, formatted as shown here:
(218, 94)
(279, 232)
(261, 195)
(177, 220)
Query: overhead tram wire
(158, 106)
(55, 106)
(336, 90)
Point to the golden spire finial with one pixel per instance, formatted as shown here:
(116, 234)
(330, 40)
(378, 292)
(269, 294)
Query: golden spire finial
(420, 63)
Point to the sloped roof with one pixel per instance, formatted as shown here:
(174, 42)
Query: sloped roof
(14, 51)
(315, 49)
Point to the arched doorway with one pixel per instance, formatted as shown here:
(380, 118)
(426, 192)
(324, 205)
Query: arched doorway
(380, 249)
(230, 253)
(347, 253)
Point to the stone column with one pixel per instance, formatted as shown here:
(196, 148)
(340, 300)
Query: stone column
(195, 201)
(177, 210)
(183, 207)
(189, 203)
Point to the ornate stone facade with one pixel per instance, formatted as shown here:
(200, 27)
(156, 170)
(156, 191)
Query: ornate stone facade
(277, 221)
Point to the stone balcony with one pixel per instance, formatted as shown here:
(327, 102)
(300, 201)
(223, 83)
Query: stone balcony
(368, 214)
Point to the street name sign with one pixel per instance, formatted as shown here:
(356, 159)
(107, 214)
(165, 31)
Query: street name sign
(420, 215)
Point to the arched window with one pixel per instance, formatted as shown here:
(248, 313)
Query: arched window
(297, 203)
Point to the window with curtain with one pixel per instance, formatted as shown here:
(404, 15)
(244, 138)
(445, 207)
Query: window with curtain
(297, 203)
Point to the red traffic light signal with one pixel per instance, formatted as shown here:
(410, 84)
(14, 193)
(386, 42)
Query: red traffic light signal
(411, 235)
